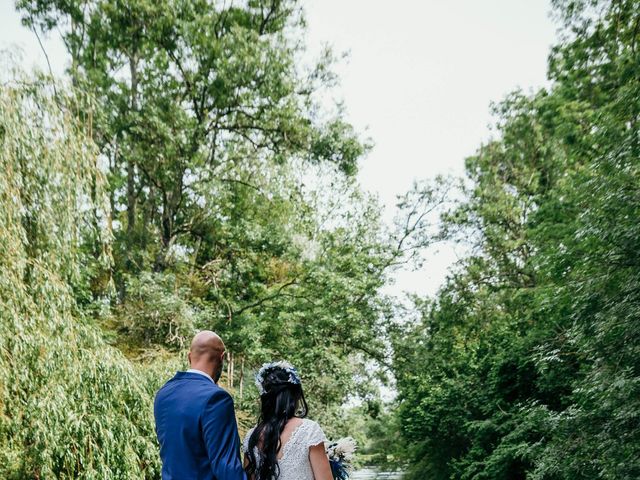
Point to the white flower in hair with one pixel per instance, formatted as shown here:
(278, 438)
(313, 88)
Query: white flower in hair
(286, 366)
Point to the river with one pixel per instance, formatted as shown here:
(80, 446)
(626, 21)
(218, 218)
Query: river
(370, 474)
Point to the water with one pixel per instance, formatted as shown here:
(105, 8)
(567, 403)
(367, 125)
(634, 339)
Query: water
(370, 474)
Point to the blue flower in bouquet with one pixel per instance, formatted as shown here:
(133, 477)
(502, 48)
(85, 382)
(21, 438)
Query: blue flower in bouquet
(338, 470)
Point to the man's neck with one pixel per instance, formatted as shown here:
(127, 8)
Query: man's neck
(201, 372)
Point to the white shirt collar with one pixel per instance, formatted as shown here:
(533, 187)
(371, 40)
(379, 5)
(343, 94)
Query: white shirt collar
(193, 370)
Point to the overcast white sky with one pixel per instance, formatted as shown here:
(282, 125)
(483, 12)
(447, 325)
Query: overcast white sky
(419, 80)
(421, 75)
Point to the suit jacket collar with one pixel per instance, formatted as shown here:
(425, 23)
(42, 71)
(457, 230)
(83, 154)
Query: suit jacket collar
(193, 376)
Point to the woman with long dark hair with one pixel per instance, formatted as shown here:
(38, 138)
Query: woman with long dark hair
(284, 445)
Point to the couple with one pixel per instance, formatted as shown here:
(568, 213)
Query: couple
(198, 434)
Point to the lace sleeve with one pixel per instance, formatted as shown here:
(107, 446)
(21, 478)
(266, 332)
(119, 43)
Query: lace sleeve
(245, 443)
(315, 435)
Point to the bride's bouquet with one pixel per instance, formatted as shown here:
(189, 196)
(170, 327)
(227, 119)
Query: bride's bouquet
(340, 455)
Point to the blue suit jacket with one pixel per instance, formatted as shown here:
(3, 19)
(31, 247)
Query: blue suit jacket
(197, 430)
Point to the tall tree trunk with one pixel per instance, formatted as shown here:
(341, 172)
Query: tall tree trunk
(241, 377)
(131, 185)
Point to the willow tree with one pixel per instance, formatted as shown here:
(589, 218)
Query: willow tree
(70, 405)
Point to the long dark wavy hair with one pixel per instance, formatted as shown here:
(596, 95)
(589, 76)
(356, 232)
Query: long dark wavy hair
(281, 401)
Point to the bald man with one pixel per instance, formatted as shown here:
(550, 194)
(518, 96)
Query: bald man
(195, 419)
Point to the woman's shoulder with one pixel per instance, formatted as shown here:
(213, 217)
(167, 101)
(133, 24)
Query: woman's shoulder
(312, 432)
(308, 423)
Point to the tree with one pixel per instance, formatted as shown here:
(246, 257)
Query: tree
(190, 95)
(525, 364)
(233, 203)
(71, 405)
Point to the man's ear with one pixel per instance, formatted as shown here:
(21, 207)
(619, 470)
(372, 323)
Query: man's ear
(189, 358)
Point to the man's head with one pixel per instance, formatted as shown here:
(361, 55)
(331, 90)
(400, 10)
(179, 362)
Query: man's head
(207, 353)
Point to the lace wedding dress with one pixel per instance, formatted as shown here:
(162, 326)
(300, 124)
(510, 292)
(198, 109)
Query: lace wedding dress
(294, 458)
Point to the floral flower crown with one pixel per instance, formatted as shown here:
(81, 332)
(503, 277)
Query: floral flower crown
(294, 378)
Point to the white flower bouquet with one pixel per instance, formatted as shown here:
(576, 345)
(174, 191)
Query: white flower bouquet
(340, 455)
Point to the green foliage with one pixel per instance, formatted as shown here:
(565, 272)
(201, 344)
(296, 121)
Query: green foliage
(155, 314)
(192, 181)
(192, 95)
(526, 364)
(206, 121)
(217, 194)
(70, 405)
